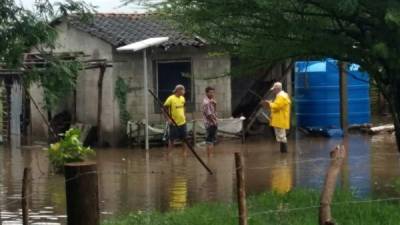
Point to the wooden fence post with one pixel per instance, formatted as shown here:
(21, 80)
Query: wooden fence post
(25, 194)
(241, 190)
(81, 187)
(337, 156)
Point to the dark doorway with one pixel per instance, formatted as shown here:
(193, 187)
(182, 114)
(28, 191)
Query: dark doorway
(169, 74)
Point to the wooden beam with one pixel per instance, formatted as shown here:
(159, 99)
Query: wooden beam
(100, 102)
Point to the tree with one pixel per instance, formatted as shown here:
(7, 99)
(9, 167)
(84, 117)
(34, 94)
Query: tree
(23, 30)
(365, 32)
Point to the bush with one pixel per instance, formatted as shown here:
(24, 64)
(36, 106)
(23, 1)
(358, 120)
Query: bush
(68, 150)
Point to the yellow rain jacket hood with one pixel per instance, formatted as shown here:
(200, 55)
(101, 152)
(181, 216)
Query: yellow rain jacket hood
(280, 111)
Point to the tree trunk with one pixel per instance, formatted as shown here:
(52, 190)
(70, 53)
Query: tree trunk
(393, 98)
(396, 116)
(397, 133)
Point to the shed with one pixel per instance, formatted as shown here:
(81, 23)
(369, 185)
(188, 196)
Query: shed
(184, 59)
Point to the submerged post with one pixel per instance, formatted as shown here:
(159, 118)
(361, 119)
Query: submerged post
(241, 190)
(82, 193)
(25, 194)
(337, 156)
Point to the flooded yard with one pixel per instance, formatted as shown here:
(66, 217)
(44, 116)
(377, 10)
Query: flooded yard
(133, 179)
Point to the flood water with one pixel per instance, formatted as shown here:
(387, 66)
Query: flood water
(133, 179)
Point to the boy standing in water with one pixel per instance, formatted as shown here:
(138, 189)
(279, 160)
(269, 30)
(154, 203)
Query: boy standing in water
(176, 107)
(209, 110)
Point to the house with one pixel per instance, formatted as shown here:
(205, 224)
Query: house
(183, 59)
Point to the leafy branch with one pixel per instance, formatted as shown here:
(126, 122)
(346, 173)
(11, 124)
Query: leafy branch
(23, 31)
(68, 150)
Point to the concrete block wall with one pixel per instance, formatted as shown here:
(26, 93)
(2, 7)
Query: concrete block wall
(207, 70)
(213, 71)
(131, 70)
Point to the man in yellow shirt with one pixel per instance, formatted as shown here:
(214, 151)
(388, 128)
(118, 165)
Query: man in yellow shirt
(280, 114)
(176, 107)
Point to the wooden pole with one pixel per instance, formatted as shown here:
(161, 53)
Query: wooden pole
(337, 156)
(194, 130)
(241, 190)
(343, 97)
(288, 74)
(146, 100)
(8, 99)
(25, 194)
(100, 102)
(45, 120)
(165, 112)
(81, 188)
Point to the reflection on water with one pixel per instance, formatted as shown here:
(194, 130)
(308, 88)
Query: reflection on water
(178, 193)
(282, 177)
(133, 179)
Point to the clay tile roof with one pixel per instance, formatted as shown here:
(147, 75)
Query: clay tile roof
(123, 29)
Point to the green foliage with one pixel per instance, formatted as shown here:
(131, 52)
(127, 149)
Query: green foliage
(19, 31)
(69, 149)
(58, 80)
(121, 93)
(381, 49)
(299, 207)
(263, 32)
(23, 30)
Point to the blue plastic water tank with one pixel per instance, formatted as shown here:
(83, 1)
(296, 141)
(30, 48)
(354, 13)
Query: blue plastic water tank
(317, 94)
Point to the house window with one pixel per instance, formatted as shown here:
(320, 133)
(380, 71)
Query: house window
(172, 73)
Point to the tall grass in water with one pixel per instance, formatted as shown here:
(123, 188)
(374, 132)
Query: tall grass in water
(299, 207)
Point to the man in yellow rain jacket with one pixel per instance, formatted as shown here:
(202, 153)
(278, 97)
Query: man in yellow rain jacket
(280, 114)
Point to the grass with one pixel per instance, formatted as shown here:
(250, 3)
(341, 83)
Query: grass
(297, 207)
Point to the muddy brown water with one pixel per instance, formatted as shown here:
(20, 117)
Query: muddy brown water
(133, 179)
